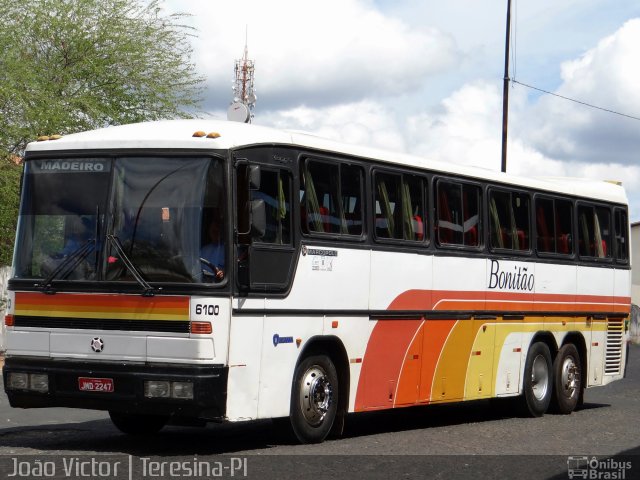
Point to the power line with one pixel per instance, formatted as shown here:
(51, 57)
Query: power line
(575, 101)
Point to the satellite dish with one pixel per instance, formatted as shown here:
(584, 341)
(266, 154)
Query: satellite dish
(238, 112)
(251, 98)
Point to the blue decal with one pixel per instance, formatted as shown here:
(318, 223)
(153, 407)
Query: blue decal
(277, 339)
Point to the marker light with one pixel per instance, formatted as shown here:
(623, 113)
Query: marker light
(199, 133)
(201, 328)
(9, 321)
(213, 135)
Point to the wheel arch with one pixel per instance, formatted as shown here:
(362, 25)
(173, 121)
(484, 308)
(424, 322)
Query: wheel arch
(333, 347)
(578, 340)
(547, 338)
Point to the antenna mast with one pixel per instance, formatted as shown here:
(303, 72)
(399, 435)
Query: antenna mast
(505, 91)
(244, 95)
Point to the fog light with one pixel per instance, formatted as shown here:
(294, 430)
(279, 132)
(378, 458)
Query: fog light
(182, 390)
(157, 389)
(39, 382)
(18, 381)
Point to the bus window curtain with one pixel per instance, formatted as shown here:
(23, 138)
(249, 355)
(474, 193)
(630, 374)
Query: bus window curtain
(497, 231)
(312, 201)
(338, 193)
(282, 210)
(515, 240)
(386, 207)
(597, 235)
(585, 235)
(407, 214)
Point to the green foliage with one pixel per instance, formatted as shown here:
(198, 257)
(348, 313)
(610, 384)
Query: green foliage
(73, 65)
(9, 200)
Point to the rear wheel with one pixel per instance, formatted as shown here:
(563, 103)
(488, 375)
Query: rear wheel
(567, 379)
(537, 384)
(138, 424)
(314, 399)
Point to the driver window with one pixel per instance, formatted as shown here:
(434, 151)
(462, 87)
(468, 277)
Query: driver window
(275, 190)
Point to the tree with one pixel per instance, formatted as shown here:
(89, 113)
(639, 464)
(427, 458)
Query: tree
(9, 199)
(73, 65)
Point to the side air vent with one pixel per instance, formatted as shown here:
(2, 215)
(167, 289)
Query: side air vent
(613, 358)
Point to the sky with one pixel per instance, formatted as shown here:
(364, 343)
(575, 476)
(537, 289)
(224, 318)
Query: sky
(425, 77)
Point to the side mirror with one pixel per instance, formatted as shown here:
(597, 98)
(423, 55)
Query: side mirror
(253, 177)
(258, 218)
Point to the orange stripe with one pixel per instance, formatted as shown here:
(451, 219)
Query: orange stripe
(475, 300)
(96, 300)
(390, 352)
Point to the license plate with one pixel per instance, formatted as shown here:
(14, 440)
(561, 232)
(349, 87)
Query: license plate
(89, 384)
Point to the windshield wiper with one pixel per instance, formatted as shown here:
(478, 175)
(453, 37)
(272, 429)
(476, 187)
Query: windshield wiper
(67, 265)
(149, 291)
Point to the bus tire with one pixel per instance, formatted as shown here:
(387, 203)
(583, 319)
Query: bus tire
(538, 381)
(567, 379)
(314, 399)
(138, 424)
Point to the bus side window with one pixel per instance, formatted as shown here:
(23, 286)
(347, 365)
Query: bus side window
(275, 190)
(331, 198)
(544, 223)
(564, 226)
(509, 220)
(621, 229)
(594, 231)
(458, 208)
(449, 208)
(388, 206)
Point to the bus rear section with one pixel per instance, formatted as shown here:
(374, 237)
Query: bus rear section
(144, 359)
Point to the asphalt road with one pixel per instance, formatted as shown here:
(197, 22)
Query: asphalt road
(479, 439)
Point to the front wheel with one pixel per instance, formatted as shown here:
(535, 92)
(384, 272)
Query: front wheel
(138, 424)
(537, 384)
(314, 399)
(567, 379)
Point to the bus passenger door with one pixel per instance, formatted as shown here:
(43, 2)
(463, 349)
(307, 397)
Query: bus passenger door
(264, 234)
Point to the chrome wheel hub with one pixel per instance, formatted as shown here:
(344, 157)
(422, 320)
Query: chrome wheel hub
(540, 377)
(316, 395)
(570, 377)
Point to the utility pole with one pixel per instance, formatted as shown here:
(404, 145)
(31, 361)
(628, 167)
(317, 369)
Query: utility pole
(505, 91)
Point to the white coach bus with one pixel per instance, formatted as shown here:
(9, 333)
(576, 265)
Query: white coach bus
(192, 271)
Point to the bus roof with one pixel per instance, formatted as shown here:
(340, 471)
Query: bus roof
(179, 134)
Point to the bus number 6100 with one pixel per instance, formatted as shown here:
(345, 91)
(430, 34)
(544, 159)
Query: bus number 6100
(203, 309)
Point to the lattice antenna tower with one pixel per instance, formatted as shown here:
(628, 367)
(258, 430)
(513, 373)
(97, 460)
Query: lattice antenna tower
(244, 94)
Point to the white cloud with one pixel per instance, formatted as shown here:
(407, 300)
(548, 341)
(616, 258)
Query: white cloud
(360, 123)
(608, 76)
(316, 53)
(371, 73)
(465, 129)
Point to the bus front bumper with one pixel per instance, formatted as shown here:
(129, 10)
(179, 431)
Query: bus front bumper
(118, 387)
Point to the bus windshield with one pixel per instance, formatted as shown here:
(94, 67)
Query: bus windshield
(153, 206)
